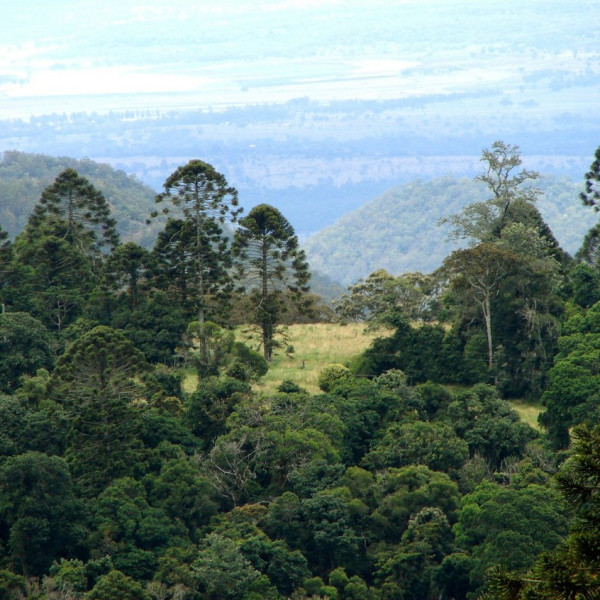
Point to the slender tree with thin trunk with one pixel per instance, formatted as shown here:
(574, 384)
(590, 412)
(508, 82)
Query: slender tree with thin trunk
(476, 274)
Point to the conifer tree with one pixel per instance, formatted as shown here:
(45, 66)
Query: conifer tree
(78, 211)
(591, 196)
(272, 262)
(202, 201)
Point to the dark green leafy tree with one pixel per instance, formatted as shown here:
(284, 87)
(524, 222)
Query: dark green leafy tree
(509, 527)
(129, 530)
(156, 327)
(25, 347)
(424, 353)
(176, 271)
(59, 276)
(271, 261)
(488, 424)
(571, 570)
(202, 199)
(411, 566)
(572, 394)
(116, 584)
(222, 571)
(40, 518)
(590, 248)
(435, 445)
(404, 492)
(330, 538)
(585, 281)
(102, 362)
(182, 493)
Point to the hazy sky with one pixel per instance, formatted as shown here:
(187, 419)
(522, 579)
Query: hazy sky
(68, 56)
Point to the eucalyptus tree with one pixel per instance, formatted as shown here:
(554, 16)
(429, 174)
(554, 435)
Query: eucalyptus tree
(511, 274)
(202, 202)
(476, 274)
(272, 263)
(510, 195)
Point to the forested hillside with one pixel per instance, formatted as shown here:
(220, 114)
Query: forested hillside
(24, 176)
(138, 461)
(400, 231)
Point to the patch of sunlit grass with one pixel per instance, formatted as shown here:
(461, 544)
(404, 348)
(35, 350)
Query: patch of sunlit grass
(314, 345)
(528, 412)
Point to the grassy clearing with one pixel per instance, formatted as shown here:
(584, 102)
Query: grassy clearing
(315, 346)
(319, 344)
(528, 412)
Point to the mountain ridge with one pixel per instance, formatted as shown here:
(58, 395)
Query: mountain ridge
(393, 232)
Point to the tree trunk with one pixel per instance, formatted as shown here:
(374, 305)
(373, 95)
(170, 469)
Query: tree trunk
(267, 333)
(488, 329)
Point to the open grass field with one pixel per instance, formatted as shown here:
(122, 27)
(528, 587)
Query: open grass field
(315, 346)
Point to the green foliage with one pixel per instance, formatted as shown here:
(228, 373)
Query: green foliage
(329, 537)
(571, 396)
(41, 518)
(221, 569)
(425, 353)
(127, 270)
(270, 261)
(223, 492)
(585, 281)
(25, 347)
(411, 566)
(97, 380)
(434, 445)
(591, 196)
(211, 404)
(509, 527)
(570, 571)
(81, 210)
(195, 242)
(182, 493)
(381, 294)
(488, 424)
(404, 492)
(331, 375)
(116, 585)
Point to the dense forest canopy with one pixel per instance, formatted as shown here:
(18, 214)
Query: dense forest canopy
(139, 459)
